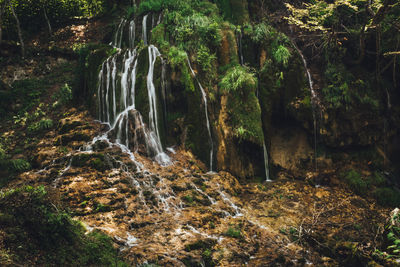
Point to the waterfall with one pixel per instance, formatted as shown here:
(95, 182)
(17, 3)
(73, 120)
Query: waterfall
(240, 47)
(153, 114)
(122, 116)
(204, 96)
(144, 29)
(164, 90)
(266, 164)
(313, 101)
(132, 36)
(119, 34)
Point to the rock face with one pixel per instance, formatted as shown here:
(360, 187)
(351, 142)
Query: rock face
(290, 149)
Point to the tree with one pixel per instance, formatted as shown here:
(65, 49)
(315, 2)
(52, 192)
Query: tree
(11, 5)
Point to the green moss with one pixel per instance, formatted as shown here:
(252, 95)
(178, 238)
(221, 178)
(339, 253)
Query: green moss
(91, 57)
(96, 161)
(233, 232)
(243, 105)
(188, 199)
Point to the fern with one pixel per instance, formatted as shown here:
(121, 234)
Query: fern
(20, 165)
(238, 78)
(41, 125)
(281, 55)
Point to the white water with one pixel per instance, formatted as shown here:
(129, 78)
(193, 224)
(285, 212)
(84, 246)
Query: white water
(119, 34)
(119, 116)
(266, 164)
(161, 157)
(203, 93)
(132, 34)
(240, 47)
(144, 30)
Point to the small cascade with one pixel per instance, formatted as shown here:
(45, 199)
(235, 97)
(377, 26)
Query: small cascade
(266, 163)
(240, 47)
(144, 29)
(153, 113)
(203, 93)
(119, 34)
(314, 102)
(132, 36)
(164, 90)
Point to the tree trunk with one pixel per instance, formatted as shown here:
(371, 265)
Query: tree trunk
(18, 29)
(47, 20)
(2, 10)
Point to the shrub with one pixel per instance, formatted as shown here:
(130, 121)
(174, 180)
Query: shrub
(236, 78)
(387, 196)
(355, 182)
(41, 125)
(205, 59)
(44, 229)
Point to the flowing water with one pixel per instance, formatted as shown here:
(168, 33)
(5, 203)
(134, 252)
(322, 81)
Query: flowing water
(266, 164)
(314, 102)
(117, 42)
(144, 30)
(204, 96)
(132, 28)
(121, 115)
(240, 47)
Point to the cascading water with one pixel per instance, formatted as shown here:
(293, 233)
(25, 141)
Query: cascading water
(266, 164)
(313, 101)
(154, 199)
(164, 90)
(144, 30)
(240, 47)
(132, 36)
(121, 116)
(203, 93)
(119, 34)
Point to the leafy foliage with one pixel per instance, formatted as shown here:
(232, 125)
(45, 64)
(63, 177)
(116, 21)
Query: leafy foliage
(238, 78)
(41, 125)
(32, 18)
(345, 90)
(20, 165)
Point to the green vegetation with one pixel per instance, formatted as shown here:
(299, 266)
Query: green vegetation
(243, 104)
(233, 232)
(33, 226)
(355, 182)
(63, 96)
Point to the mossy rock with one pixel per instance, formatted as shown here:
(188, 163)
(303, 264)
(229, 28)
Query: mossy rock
(66, 125)
(74, 136)
(96, 161)
(91, 57)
